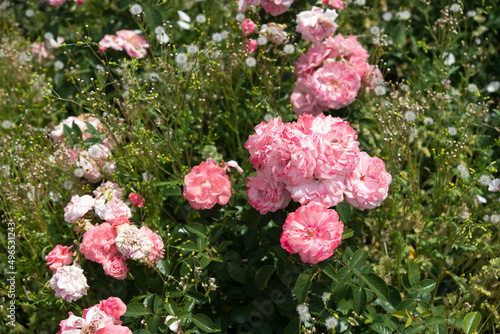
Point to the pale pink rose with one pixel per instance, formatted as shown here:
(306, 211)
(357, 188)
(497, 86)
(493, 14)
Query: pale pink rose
(107, 191)
(274, 32)
(327, 189)
(312, 59)
(62, 324)
(336, 85)
(78, 208)
(206, 185)
(315, 25)
(276, 7)
(113, 306)
(251, 45)
(92, 320)
(313, 231)
(69, 283)
(243, 5)
(95, 161)
(40, 52)
(374, 77)
(132, 243)
(494, 185)
(134, 44)
(137, 200)
(368, 184)
(116, 267)
(157, 252)
(111, 41)
(55, 2)
(258, 144)
(335, 4)
(98, 243)
(111, 210)
(114, 329)
(57, 134)
(247, 27)
(59, 256)
(304, 99)
(265, 193)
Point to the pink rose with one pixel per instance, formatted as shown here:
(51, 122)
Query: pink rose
(315, 25)
(114, 307)
(69, 283)
(251, 45)
(274, 32)
(114, 329)
(80, 2)
(368, 184)
(266, 194)
(98, 243)
(206, 185)
(55, 2)
(276, 7)
(243, 5)
(335, 4)
(157, 251)
(111, 41)
(247, 27)
(136, 200)
(328, 190)
(134, 44)
(59, 256)
(116, 267)
(78, 208)
(313, 231)
(111, 210)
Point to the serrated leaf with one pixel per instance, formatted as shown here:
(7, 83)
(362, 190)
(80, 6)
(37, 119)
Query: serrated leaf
(413, 273)
(471, 322)
(427, 285)
(381, 329)
(135, 310)
(197, 229)
(358, 258)
(377, 285)
(262, 276)
(235, 272)
(203, 322)
(301, 286)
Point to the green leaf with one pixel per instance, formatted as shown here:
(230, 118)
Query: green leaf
(92, 130)
(347, 233)
(153, 324)
(359, 300)
(162, 266)
(203, 322)
(91, 141)
(135, 310)
(197, 296)
(301, 286)
(377, 285)
(197, 229)
(413, 273)
(68, 134)
(358, 258)
(471, 322)
(399, 314)
(416, 329)
(171, 307)
(158, 305)
(189, 246)
(76, 129)
(330, 271)
(381, 329)
(435, 321)
(263, 275)
(293, 327)
(345, 275)
(427, 285)
(344, 210)
(235, 272)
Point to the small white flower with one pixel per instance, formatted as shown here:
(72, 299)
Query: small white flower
(486, 218)
(159, 30)
(288, 49)
(68, 184)
(484, 179)
(480, 200)
(449, 58)
(184, 25)
(48, 35)
(79, 172)
(374, 30)
(192, 49)
(153, 76)
(494, 218)
(268, 117)
(147, 176)
(216, 37)
(163, 38)
(29, 13)
(58, 65)
(410, 116)
(477, 40)
(6, 124)
(331, 323)
(136, 9)
(94, 151)
(404, 15)
(454, 91)
(452, 130)
(472, 87)
(262, 40)
(200, 18)
(493, 86)
(413, 132)
(494, 185)
(100, 68)
(240, 17)
(54, 196)
(181, 58)
(174, 327)
(302, 308)
(251, 62)
(224, 34)
(428, 121)
(471, 13)
(461, 167)
(325, 297)
(379, 90)
(455, 8)
(183, 16)
(387, 16)
(24, 57)
(360, 2)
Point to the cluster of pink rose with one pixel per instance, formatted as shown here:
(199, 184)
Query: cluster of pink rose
(102, 318)
(93, 161)
(68, 281)
(60, 2)
(273, 7)
(43, 50)
(116, 239)
(330, 75)
(130, 41)
(208, 184)
(316, 159)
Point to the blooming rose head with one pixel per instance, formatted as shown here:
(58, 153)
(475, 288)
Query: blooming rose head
(98, 243)
(251, 45)
(206, 185)
(313, 232)
(114, 329)
(116, 267)
(59, 256)
(137, 200)
(157, 251)
(247, 27)
(274, 32)
(315, 25)
(132, 243)
(335, 4)
(78, 208)
(266, 193)
(368, 184)
(69, 283)
(55, 2)
(276, 7)
(134, 44)
(114, 307)
(243, 5)
(107, 190)
(112, 210)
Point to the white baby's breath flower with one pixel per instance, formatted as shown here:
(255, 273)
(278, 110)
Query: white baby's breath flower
(200, 18)
(224, 34)
(159, 30)
(288, 49)
(136, 9)
(374, 30)
(6, 124)
(29, 13)
(68, 184)
(494, 218)
(251, 62)
(403, 15)
(410, 116)
(472, 87)
(455, 8)
(471, 13)
(325, 297)
(484, 179)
